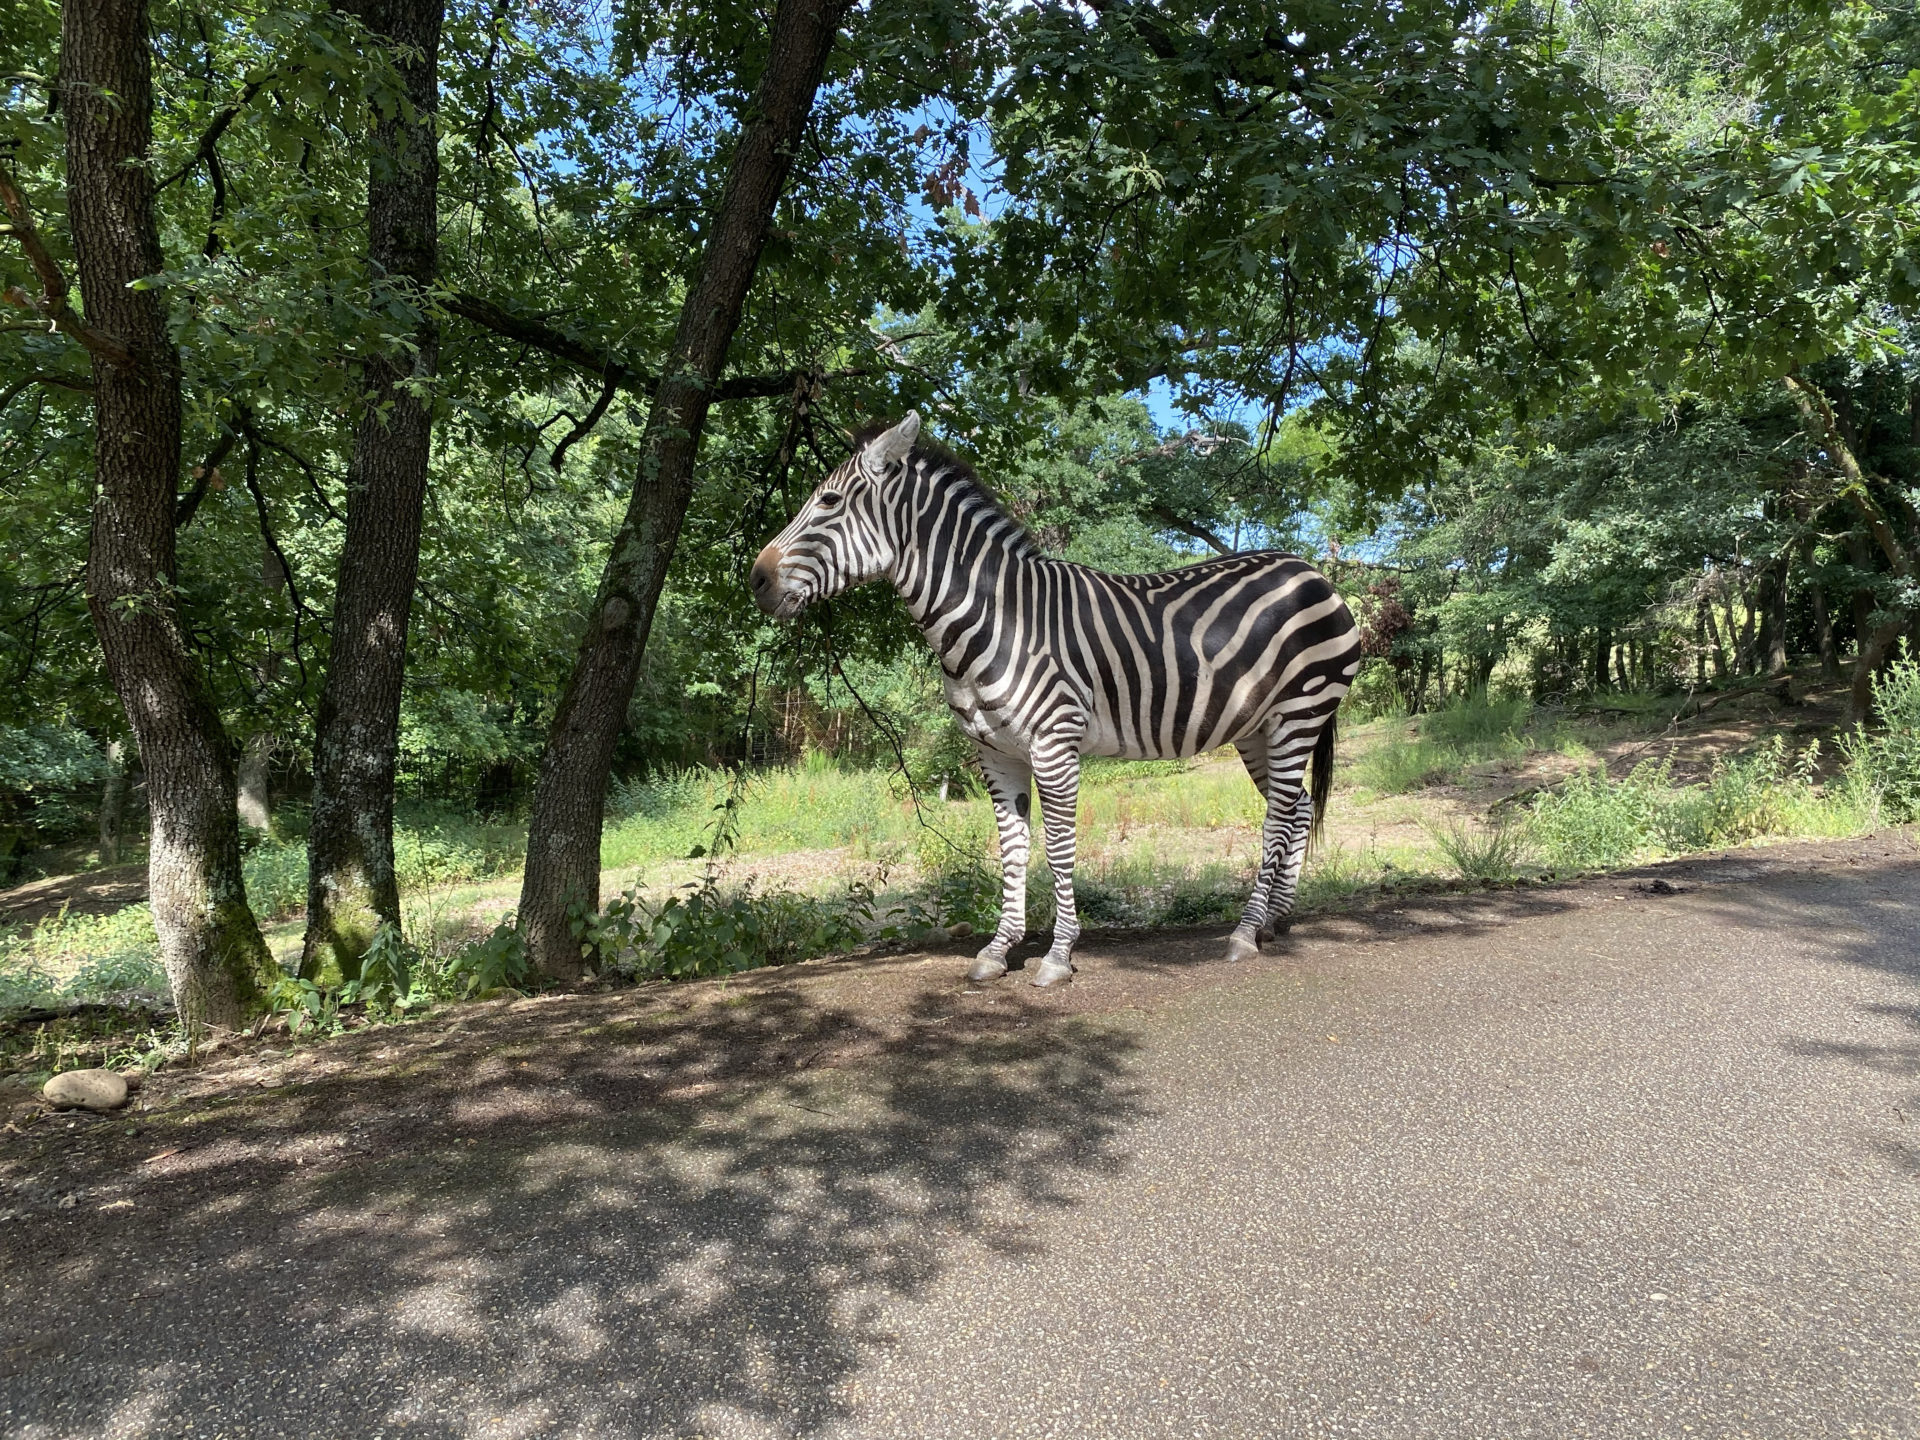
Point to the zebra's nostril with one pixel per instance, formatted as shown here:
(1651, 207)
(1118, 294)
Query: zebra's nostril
(760, 578)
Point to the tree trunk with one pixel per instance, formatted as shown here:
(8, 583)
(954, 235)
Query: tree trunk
(113, 802)
(1774, 620)
(1602, 658)
(1719, 646)
(252, 802)
(215, 959)
(1822, 618)
(1860, 552)
(351, 885)
(1876, 641)
(1874, 649)
(563, 846)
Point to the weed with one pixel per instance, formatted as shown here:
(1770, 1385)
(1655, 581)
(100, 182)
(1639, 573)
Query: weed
(1593, 822)
(490, 965)
(703, 930)
(1488, 852)
(1887, 763)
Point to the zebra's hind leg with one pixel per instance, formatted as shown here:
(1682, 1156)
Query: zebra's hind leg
(1010, 783)
(1056, 769)
(1276, 764)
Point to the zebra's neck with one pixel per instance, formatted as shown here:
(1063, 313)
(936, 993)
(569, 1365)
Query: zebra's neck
(957, 547)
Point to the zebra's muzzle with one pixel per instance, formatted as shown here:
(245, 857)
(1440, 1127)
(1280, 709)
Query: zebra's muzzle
(764, 580)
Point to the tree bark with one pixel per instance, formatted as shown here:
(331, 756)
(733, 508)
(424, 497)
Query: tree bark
(563, 846)
(113, 802)
(1719, 647)
(352, 889)
(1773, 617)
(215, 959)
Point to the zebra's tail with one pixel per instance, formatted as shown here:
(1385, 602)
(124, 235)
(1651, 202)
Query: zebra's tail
(1322, 779)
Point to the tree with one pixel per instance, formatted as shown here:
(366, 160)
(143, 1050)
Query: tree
(563, 850)
(212, 949)
(352, 887)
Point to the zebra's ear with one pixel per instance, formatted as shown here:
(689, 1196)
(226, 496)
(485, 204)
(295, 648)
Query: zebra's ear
(890, 445)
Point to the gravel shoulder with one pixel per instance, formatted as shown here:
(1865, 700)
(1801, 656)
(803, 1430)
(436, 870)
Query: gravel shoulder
(1598, 1159)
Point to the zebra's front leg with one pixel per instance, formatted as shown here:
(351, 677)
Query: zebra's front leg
(1010, 783)
(1057, 773)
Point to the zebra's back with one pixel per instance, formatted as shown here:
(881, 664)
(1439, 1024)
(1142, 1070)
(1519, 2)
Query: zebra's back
(1177, 663)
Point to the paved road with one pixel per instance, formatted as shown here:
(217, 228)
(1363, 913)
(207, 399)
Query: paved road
(1591, 1162)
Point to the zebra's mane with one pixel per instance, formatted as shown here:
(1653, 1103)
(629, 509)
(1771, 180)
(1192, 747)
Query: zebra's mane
(948, 471)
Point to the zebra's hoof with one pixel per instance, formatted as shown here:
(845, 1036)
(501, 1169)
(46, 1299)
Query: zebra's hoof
(1240, 948)
(1053, 972)
(1273, 928)
(986, 968)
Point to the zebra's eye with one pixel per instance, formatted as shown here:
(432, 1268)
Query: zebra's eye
(829, 499)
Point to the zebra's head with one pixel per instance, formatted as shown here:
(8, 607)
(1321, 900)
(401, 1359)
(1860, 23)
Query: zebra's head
(842, 536)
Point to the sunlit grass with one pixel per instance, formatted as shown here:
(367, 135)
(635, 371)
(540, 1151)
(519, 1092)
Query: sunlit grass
(68, 957)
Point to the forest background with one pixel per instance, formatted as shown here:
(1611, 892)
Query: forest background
(392, 395)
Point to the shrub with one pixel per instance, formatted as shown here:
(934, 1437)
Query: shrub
(1487, 853)
(960, 879)
(1594, 822)
(487, 966)
(1886, 763)
(704, 930)
(1591, 822)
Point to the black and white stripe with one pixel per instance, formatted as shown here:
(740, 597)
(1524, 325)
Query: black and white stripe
(1046, 661)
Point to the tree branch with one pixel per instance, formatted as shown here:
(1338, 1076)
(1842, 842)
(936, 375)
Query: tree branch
(611, 370)
(584, 427)
(188, 504)
(53, 284)
(61, 382)
(203, 152)
(1192, 528)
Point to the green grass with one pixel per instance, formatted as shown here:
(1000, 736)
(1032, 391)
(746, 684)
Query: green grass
(67, 958)
(1408, 754)
(432, 846)
(1594, 822)
(1153, 851)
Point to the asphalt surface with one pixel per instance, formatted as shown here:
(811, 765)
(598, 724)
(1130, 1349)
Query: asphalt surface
(1594, 1162)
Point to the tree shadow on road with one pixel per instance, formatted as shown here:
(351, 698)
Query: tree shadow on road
(601, 1230)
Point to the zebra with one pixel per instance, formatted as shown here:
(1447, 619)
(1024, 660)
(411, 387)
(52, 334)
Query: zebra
(1045, 661)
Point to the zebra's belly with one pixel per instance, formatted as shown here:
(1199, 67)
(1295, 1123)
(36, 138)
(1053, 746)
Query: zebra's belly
(1148, 738)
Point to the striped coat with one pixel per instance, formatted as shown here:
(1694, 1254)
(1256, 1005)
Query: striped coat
(1046, 661)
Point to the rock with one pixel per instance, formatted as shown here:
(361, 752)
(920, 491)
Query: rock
(86, 1090)
(960, 931)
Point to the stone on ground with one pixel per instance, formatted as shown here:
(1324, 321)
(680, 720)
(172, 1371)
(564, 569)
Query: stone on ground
(86, 1090)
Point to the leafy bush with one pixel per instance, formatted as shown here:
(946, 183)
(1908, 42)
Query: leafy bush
(1886, 763)
(704, 930)
(490, 965)
(959, 876)
(1592, 822)
(53, 768)
(1744, 799)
